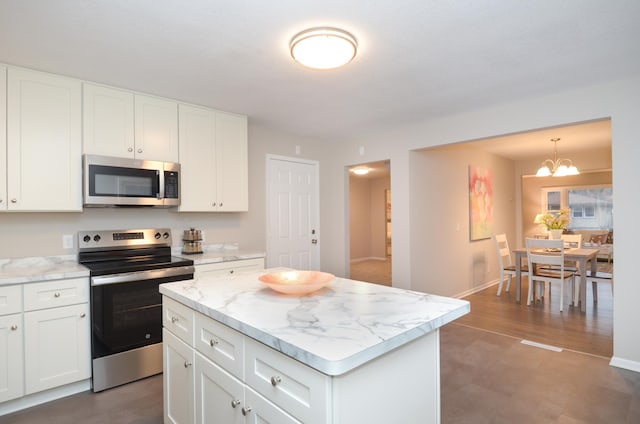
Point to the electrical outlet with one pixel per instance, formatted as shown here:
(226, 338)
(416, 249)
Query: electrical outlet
(67, 241)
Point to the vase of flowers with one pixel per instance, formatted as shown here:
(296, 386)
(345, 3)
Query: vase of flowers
(556, 222)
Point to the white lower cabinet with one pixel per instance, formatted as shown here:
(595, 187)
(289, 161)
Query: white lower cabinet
(56, 345)
(178, 380)
(11, 357)
(44, 340)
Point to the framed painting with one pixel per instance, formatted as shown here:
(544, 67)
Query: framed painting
(480, 203)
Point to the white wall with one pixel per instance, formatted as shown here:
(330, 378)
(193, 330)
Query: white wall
(367, 205)
(619, 100)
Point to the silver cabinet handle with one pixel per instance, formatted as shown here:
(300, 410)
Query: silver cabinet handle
(235, 402)
(14, 327)
(314, 241)
(174, 320)
(14, 200)
(214, 204)
(187, 364)
(213, 342)
(139, 150)
(1, 200)
(130, 149)
(275, 380)
(231, 272)
(56, 294)
(220, 204)
(82, 315)
(246, 410)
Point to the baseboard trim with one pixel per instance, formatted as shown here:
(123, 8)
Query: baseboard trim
(476, 289)
(625, 364)
(34, 399)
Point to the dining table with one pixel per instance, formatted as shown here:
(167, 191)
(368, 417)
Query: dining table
(582, 256)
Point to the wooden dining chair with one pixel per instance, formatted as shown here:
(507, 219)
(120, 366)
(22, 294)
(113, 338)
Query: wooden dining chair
(604, 274)
(546, 265)
(507, 268)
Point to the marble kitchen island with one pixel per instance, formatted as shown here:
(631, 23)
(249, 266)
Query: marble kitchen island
(237, 351)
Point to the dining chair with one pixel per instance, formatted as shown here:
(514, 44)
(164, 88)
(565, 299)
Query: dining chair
(604, 274)
(507, 268)
(546, 264)
(572, 241)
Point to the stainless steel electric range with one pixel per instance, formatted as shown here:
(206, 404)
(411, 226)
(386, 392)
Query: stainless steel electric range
(126, 268)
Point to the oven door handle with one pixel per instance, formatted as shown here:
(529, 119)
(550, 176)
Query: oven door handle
(151, 274)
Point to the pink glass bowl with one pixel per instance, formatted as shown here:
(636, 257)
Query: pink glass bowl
(296, 282)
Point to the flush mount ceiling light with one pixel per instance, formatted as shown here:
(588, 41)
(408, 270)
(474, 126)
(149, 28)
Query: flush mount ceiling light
(323, 48)
(360, 170)
(557, 167)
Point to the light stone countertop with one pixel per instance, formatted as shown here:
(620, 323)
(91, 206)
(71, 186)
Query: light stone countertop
(218, 253)
(333, 330)
(29, 270)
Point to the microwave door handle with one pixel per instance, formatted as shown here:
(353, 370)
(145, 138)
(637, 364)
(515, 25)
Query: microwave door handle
(161, 184)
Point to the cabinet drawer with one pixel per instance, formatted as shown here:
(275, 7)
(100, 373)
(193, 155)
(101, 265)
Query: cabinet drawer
(51, 294)
(10, 300)
(222, 344)
(296, 388)
(178, 319)
(229, 268)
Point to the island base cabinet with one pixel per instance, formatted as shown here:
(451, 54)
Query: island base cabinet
(402, 386)
(222, 398)
(178, 376)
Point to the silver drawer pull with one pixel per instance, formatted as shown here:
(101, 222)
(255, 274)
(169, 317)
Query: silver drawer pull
(174, 320)
(56, 294)
(235, 403)
(213, 342)
(231, 272)
(82, 315)
(187, 364)
(14, 327)
(246, 410)
(275, 380)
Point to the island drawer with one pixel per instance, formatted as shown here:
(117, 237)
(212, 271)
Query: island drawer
(220, 343)
(179, 319)
(10, 300)
(229, 267)
(51, 294)
(296, 388)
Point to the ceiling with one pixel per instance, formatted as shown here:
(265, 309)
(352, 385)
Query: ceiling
(417, 59)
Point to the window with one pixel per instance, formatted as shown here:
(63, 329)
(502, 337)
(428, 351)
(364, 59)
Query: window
(591, 206)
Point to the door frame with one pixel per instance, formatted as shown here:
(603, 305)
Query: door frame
(316, 164)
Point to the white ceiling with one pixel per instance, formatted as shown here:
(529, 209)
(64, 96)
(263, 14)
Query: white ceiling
(417, 58)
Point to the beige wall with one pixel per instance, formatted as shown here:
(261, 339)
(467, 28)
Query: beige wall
(367, 227)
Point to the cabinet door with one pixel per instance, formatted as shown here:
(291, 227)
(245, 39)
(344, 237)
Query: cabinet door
(43, 142)
(197, 159)
(231, 162)
(219, 396)
(156, 129)
(107, 117)
(3, 137)
(178, 380)
(261, 411)
(11, 357)
(56, 343)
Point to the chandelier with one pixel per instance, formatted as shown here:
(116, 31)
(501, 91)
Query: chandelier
(557, 167)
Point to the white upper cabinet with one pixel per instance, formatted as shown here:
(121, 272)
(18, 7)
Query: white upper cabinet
(124, 124)
(213, 159)
(156, 128)
(108, 121)
(43, 142)
(3, 137)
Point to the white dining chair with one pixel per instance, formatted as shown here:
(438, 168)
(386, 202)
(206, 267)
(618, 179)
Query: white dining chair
(507, 268)
(546, 264)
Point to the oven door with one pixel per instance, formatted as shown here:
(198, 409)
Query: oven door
(126, 309)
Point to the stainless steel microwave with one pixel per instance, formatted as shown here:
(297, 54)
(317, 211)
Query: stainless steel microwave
(112, 181)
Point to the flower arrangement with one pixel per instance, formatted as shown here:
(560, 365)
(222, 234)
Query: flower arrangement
(556, 220)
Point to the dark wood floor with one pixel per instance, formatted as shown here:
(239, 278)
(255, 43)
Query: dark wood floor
(590, 332)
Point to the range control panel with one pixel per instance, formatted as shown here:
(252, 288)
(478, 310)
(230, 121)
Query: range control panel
(106, 239)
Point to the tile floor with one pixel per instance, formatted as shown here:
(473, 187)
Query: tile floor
(485, 378)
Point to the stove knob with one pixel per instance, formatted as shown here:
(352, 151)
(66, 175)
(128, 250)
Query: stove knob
(86, 239)
(157, 236)
(165, 235)
(96, 238)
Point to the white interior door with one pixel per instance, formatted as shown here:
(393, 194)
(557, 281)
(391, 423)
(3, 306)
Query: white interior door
(292, 213)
